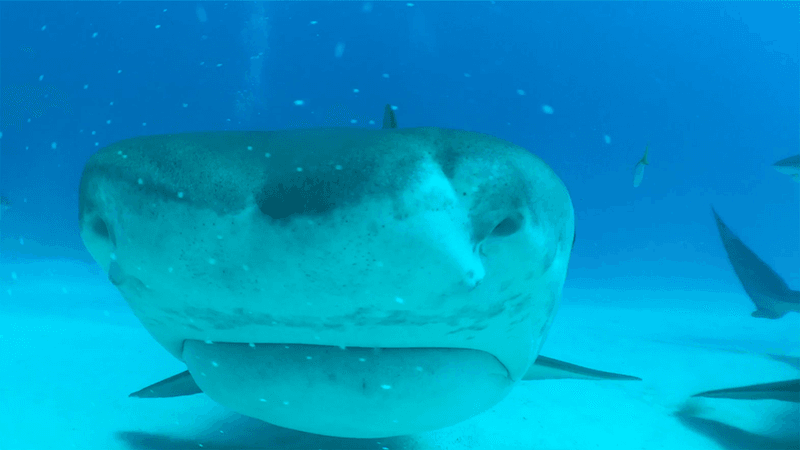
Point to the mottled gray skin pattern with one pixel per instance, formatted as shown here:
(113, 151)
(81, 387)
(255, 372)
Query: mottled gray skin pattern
(402, 238)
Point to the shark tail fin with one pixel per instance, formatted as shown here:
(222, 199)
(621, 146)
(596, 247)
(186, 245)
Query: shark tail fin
(545, 368)
(174, 386)
(389, 119)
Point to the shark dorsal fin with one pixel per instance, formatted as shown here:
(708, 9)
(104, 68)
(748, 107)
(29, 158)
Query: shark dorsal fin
(389, 120)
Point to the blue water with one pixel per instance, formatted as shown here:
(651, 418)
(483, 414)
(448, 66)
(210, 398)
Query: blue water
(712, 87)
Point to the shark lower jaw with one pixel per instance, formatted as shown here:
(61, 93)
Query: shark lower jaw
(352, 392)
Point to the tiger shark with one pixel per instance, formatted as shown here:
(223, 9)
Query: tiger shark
(789, 166)
(340, 281)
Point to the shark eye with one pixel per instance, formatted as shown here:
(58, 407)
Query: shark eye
(508, 226)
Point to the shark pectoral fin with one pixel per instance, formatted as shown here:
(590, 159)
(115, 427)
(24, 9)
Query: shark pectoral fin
(174, 386)
(389, 120)
(787, 391)
(549, 369)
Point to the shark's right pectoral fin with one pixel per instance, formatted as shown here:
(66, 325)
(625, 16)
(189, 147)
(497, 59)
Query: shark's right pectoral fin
(174, 386)
(548, 369)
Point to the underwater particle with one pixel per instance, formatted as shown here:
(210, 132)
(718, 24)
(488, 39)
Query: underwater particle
(355, 91)
(119, 71)
(185, 105)
(299, 102)
(1, 135)
(520, 92)
(21, 241)
(313, 22)
(386, 75)
(409, 4)
(361, 359)
(467, 75)
(108, 122)
(158, 26)
(95, 132)
(547, 109)
(140, 181)
(386, 386)
(267, 155)
(607, 138)
(212, 261)
(13, 275)
(353, 121)
(214, 363)
(399, 300)
(262, 400)
(111, 104)
(209, 341)
(285, 402)
(338, 167)
(44, 27)
(339, 50)
(372, 122)
(41, 77)
(94, 35)
(246, 268)
(250, 148)
(299, 169)
(86, 86)
(144, 124)
(53, 145)
(219, 65)
(394, 108)
(180, 194)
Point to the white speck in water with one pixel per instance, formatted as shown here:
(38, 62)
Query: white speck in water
(140, 181)
(180, 194)
(520, 92)
(113, 256)
(252, 345)
(386, 386)
(214, 363)
(246, 268)
(185, 105)
(285, 402)
(108, 122)
(353, 121)
(86, 86)
(308, 357)
(170, 269)
(419, 369)
(372, 122)
(607, 138)
(338, 167)
(547, 109)
(313, 22)
(399, 300)
(53, 145)
(94, 35)
(212, 261)
(361, 359)
(267, 155)
(262, 400)
(208, 341)
(299, 102)
(44, 27)
(250, 147)
(386, 75)
(21, 241)
(219, 236)
(41, 77)
(355, 91)
(144, 124)
(158, 26)
(13, 275)
(467, 75)
(299, 169)
(119, 71)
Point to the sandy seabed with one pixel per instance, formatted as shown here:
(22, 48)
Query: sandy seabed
(72, 352)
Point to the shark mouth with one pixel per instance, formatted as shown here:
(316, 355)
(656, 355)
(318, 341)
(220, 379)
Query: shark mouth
(344, 392)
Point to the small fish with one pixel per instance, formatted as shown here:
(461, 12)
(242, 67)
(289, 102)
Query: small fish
(790, 166)
(638, 171)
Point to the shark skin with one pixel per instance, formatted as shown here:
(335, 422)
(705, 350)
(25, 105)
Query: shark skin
(338, 281)
(767, 290)
(786, 391)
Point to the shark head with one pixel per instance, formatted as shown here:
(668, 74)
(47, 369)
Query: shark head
(789, 166)
(345, 282)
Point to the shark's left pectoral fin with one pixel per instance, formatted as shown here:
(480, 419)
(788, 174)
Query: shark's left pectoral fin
(549, 369)
(174, 386)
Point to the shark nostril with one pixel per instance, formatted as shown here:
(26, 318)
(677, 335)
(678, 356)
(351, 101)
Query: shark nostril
(508, 226)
